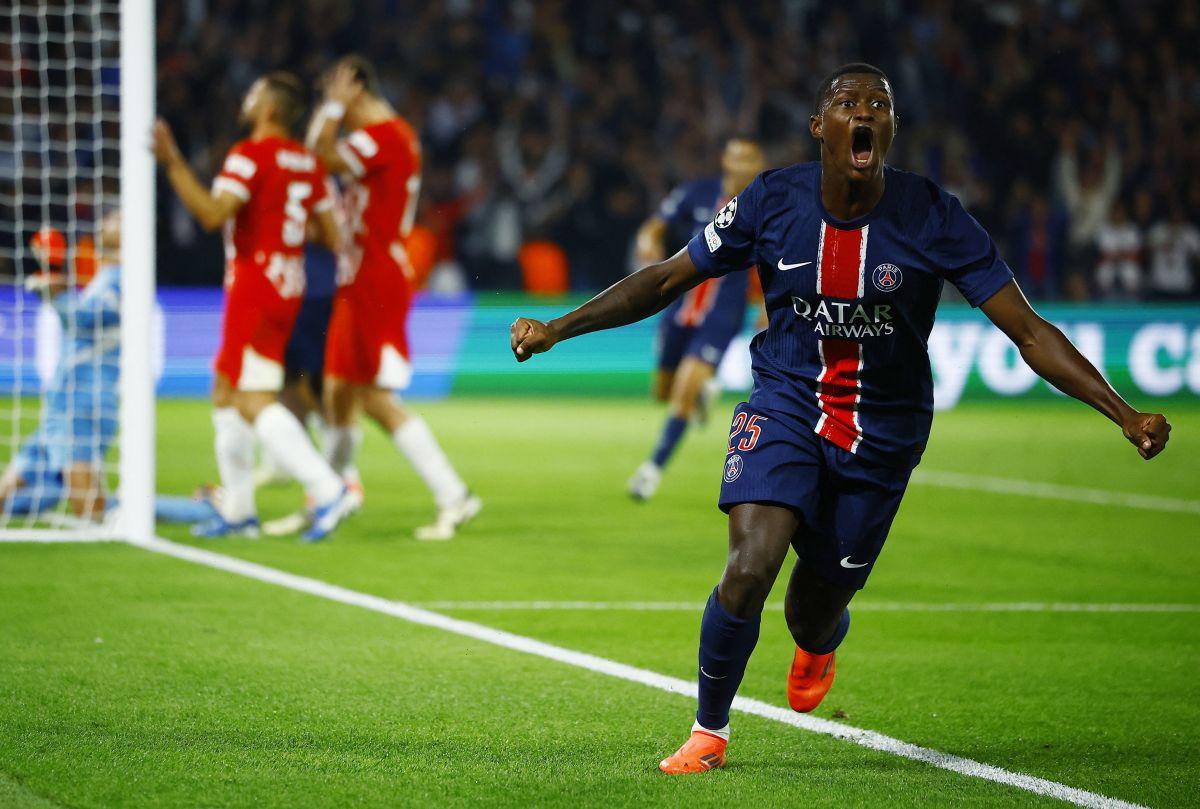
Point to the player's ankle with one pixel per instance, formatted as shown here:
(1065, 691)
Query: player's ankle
(720, 733)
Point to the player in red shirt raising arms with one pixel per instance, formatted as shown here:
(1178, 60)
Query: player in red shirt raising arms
(264, 196)
(366, 354)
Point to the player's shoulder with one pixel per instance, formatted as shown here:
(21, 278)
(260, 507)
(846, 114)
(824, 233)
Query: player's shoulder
(915, 189)
(395, 131)
(242, 159)
(919, 204)
(292, 155)
(792, 179)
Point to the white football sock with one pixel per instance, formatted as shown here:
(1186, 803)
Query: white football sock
(234, 446)
(415, 441)
(284, 437)
(723, 732)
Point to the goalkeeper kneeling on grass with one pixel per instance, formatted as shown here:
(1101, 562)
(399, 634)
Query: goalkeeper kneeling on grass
(64, 457)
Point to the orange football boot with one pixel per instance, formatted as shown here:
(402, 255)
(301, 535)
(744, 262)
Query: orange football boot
(700, 753)
(809, 679)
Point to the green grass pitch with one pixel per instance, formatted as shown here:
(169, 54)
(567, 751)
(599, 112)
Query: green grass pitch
(133, 679)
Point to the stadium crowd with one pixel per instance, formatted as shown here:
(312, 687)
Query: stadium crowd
(1062, 124)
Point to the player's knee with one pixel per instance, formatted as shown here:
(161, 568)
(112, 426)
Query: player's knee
(745, 586)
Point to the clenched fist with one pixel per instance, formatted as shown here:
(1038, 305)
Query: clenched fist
(1148, 432)
(530, 337)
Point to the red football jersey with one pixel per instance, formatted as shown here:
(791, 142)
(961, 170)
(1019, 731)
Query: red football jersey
(281, 184)
(381, 197)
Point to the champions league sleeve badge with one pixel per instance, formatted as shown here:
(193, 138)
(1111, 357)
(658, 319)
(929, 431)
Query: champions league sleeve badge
(725, 215)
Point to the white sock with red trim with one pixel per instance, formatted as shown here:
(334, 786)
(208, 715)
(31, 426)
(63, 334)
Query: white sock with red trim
(284, 437)
(415, 441)
(234, 447)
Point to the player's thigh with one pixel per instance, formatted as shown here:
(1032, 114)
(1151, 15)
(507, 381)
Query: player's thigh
(769, 486)
(664, 382)
(759, 537)
(858, 502)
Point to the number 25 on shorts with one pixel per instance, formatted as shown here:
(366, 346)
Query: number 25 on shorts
(747, 424)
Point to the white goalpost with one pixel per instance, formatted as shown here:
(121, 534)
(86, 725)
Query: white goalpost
(77, 285)
(137, 255)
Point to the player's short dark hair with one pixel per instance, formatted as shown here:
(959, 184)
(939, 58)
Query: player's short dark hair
(844, 70)
(364, 72)
(289, 95)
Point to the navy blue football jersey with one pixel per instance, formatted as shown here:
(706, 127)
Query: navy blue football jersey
(686, 211)
(850, 304)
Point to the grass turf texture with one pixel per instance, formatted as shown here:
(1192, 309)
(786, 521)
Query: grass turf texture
(131, 679)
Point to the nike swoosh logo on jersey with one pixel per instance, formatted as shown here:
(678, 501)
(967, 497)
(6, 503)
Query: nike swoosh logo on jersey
(785, 267)
(709, 676)
(847, 563)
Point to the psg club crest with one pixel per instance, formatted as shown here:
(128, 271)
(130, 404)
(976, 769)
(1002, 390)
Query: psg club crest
(887, 277)
(725, 215)
(733, 468)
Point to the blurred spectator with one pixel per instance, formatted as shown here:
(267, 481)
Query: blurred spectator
(1174, 247)
(567, 120)
(1087, 194)
(1119, 268)
(1037, 243)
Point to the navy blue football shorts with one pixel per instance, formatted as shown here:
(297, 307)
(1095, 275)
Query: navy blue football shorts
(845, 504)
(306, 347)
(707, 342)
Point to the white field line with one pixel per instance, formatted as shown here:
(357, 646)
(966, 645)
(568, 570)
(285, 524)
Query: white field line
(865, 606)
(674, 685)
(1054, 491)
(50, 535)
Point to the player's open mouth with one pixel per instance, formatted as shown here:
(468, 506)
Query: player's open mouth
(862, 146)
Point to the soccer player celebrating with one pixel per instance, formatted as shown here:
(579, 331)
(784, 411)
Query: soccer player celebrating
(697, 327)
(366, 356)
(264, 196)
(852, 255)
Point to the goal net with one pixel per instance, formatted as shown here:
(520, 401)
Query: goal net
(76, 269)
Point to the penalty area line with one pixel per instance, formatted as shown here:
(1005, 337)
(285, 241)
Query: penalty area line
(600, 665)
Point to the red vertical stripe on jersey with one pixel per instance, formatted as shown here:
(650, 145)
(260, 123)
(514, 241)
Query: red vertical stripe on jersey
(838, 392)
(841, 259)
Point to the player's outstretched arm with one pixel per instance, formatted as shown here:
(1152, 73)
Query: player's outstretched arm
(1049, 353)
(211, 210)
(642, 294)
